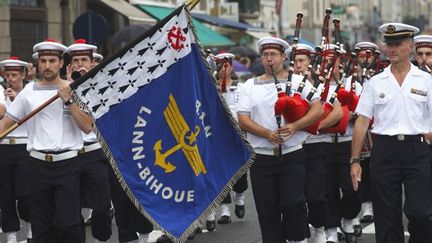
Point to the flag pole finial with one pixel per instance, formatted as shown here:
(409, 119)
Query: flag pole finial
(190, 4)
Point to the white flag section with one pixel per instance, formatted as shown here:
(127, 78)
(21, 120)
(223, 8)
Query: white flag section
(156, 54)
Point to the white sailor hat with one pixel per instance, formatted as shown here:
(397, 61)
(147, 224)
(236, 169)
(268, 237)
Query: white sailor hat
(13, 64)
(81, 48)
(423, 41)
(365, 45)
(302, 49)
(35, 56)
(273, 43)
(98, 57)
(49, 47)
(395, 32)
(224, 56)
(332, 48)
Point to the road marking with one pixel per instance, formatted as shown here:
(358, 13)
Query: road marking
(370, 229)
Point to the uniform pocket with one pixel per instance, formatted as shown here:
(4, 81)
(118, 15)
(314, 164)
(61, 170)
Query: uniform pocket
(383, 97)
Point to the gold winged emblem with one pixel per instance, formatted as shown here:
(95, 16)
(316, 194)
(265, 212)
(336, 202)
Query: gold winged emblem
(180, 131)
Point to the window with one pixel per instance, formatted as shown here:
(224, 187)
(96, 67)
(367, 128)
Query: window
(26, 3)
(27, 26)
(24, 35)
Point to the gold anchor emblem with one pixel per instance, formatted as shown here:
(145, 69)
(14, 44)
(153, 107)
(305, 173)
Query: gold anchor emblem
(179, 129)
(391, 29)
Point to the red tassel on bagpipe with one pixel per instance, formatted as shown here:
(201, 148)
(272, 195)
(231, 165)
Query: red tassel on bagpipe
(313, 129)
(223, 84)
(341, 126)
(291, 108)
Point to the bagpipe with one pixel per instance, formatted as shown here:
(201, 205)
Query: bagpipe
(336, 54)
(426, 68)
(293, 107)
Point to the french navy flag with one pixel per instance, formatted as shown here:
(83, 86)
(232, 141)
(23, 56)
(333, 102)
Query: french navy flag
(167, 132)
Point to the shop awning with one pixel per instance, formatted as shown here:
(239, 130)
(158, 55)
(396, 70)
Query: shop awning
(134, 15)
(258, 34)
(207, 36)
(213, 20)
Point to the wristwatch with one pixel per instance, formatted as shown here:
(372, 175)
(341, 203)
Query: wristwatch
(354, 160)
(69, 101)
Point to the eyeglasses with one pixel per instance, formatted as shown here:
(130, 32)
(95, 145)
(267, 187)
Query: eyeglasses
(270, 54)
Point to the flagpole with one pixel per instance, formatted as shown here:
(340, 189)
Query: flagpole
(75, 75)
(28, 116)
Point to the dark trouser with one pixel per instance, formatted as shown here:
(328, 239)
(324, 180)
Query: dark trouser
(128, 219)
(14, 186)
(54, 201)
(393, 163)
(365, 188)
(315, 183)
(338, 178)
(95, 191)
(240, 187)
(278, 189)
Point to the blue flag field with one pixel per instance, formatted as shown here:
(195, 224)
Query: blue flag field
(165, 129)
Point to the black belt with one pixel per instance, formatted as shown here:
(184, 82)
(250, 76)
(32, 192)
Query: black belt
(412, 138)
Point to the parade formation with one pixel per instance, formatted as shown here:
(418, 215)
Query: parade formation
(340, 134)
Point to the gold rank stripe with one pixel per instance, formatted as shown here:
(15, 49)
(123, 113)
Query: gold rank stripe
(419, 92)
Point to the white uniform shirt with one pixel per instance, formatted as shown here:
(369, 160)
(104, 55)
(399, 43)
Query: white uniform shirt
(257, 99)
(53, 128)
(90, 137)
(232, 97)
(398, 109)
(2, 96)
(21, 131)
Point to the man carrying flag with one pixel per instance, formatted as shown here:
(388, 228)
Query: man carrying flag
(171, 141)
(54, 138)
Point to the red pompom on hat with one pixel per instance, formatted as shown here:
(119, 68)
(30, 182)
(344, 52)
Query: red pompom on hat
(81, 48)
(13, 64)
(50, 47)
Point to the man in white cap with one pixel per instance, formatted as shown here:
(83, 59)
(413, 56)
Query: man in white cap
(94, 168)
(14, 184)
(342, 202)
(277, 176)
(97, 58)
(54, 138)
(423, 51)
(303, 56)
(229, 90)
(400, 101)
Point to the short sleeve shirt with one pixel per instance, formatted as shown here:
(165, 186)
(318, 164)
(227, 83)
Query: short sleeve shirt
(51, 129)
(398, 109)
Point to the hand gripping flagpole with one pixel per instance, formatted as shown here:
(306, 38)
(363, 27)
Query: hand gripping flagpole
(74, 85)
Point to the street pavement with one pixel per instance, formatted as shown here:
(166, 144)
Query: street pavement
(244, 230)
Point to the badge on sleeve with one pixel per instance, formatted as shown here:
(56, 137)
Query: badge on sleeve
(419, 92)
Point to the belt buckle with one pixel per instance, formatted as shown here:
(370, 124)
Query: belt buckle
(400, 137)
(335, 139)
(49, 158)
(82, 150)
(12, 141)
